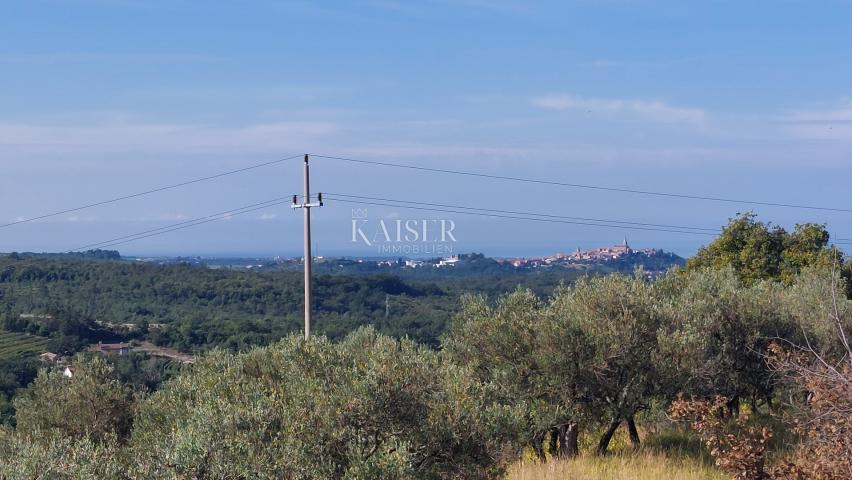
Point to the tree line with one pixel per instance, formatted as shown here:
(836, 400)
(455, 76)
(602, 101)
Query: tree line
(527, 373)
(195, 308)
(731, 348)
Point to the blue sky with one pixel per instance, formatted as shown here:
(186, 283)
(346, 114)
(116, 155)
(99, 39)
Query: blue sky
(100, 98)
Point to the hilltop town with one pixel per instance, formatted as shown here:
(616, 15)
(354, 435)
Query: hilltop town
(602, 254)
(620, 257)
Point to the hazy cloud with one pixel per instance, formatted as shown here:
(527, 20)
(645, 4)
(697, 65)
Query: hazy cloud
(16, 138)
(649, 109)
(833, 122)
(82, 219)
(52, 58)
(841, 112)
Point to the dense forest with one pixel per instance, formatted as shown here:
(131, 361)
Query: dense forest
(194, 308)
(85, 296)
(744, 350)
(74, 300)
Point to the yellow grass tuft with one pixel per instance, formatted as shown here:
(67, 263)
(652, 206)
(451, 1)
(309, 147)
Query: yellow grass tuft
(644, 465)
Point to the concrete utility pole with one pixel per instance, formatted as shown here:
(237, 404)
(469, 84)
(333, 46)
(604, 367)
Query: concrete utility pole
(307, 205)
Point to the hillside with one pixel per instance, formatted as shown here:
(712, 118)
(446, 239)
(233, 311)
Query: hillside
(15, 345)
(194, 308)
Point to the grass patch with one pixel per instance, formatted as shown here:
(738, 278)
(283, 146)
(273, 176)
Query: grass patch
(668, 454)
(640, 465)
(678, 444)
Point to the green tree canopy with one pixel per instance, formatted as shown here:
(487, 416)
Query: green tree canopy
(367, 407)
(91, 404)
(584, 357)
(760, 251)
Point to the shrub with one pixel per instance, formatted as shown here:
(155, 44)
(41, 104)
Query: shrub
(739, 448)
(367, 407)
(92, 404)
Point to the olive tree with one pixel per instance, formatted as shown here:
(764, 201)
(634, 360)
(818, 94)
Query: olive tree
(585, 356)
(619, 321)
(24, 457)
(367, 407)
(717, 333)
(514, 346)
(91, 404)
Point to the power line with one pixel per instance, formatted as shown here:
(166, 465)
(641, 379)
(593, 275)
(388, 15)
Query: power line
(148, 192)
(563, 217)
(433, 207)
(585, 186)
(459, 210)
(139, 237)
(275, 201)
(630, 225)
(186, 224)
(484, 212)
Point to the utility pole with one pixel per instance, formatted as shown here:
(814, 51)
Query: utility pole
(307, 205)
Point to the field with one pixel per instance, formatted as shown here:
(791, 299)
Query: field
(624, 466)
(665, 454)
(14, 345)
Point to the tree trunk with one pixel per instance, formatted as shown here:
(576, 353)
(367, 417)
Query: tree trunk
(631, 429)
(568, 444)
(734, 406)
(538, 446)
(554, 439)
(603, 445)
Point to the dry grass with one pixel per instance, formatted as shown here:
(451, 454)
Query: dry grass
(623, 466)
